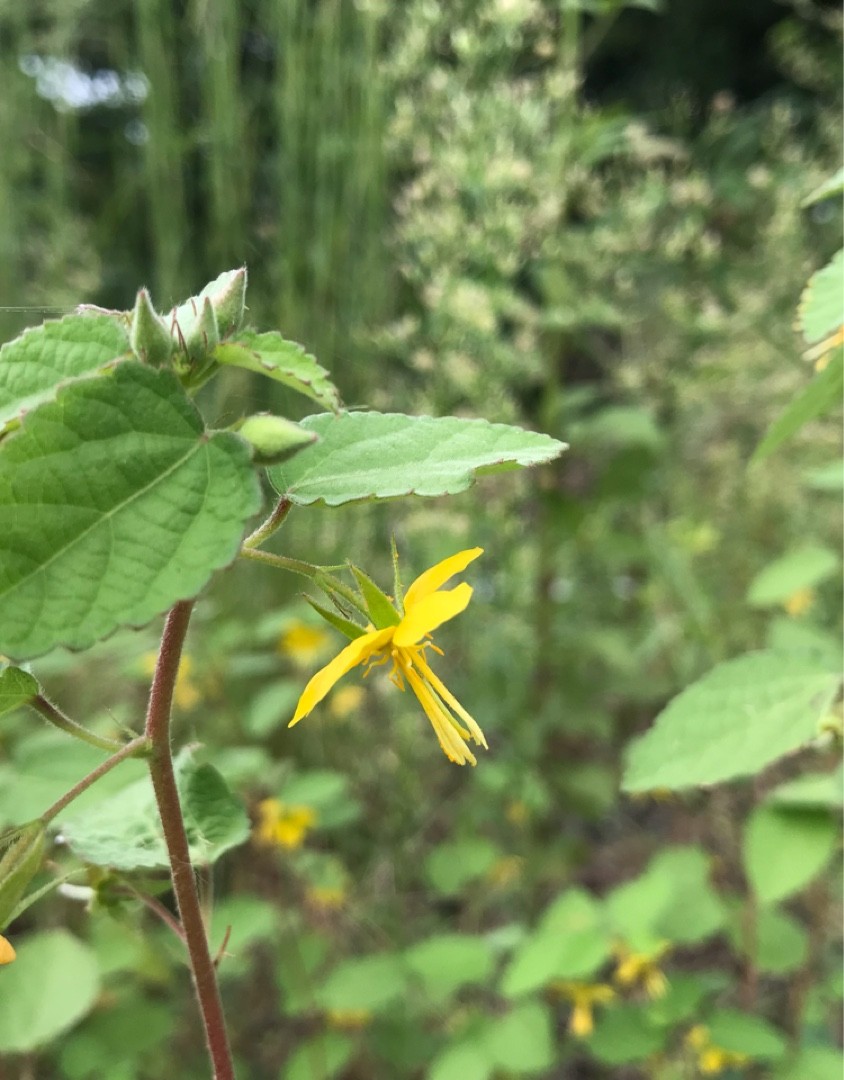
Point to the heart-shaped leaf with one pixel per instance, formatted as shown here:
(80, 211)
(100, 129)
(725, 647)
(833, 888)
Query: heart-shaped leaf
(114, 504)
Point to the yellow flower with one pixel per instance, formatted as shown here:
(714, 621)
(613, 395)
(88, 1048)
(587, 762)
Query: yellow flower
(712, 1059)
(426, 606)
(303, 643)
(186, 693)
(583, 997)
(346, 701)
(348, 1019)
(7, 952)
(641, 969)
(326, 897)
(799, 602)
(283, 826)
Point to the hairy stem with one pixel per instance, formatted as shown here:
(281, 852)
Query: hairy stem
(129, 749)
(58, 719)
(268, 527)
(173, 824)
(281, 562)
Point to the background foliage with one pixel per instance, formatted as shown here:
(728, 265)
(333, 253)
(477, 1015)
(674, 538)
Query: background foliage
(584, 218)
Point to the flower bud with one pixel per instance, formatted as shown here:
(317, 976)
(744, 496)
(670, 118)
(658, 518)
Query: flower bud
(273, 438)
(148, 333)
(228, 296)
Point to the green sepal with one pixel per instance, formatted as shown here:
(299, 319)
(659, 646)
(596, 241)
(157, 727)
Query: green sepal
(398, 589)
(230, 300)
(345, 626)
(19, 865)
(148, 334)
(273, 438)
(381, 610)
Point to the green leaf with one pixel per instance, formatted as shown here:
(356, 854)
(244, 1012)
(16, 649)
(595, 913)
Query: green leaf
(20, 863)
(369, 455)
(522, 1041)
(813, 791)
(53, 983)
(34, 365)
(799, 569)
(320, 1058)
(114, 504)
(624, 1034)
(271, 355)
(829, 477)
(570, 942)
(821, 310)
(818, 397)
(452, 865)
(738, 718)
(124, 832)
(785, 849)
(817, 1062)
(446, 962)
(364, 982)
(780, 943)
(16, 688)
(741, 1033)
(463, 1061)
(833, 186)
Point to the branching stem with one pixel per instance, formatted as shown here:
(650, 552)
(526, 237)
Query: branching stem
(58, 719)
(130, 749)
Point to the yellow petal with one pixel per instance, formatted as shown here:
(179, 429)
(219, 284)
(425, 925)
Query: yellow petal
(7, 952)
(428, 614)
(356, 652)
(438, 575)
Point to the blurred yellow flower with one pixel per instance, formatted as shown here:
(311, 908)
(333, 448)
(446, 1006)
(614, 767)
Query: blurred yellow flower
(506, 871)
(303, 643)
(712, 1059)
(799, 602)
(641, 969)
(517, 812)
(7, 952)
(326, 897)
(347, 700)
(583, 997)
(186, 693)
(283, 826)
(426, 606)
(348, 1019)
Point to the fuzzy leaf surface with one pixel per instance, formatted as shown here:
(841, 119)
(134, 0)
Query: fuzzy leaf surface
(33, 365)
(114, 504)
(285, 361)
(370, 455)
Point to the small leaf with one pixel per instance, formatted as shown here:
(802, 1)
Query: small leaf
(452, 865)
(624, 1033)
(364, 982)
(51, 986)
(369, 455)
(818, 397)
(446, 962)
(833, 186)
(271, 355)
(522, 1041)
(821, 310)
(16, 689)
(738, 718)
(124, 832)
(741, 1033)
(780, 943)
(800, 569)
(320, 1058)
(34, 365)
(114, 504)
(785, 849)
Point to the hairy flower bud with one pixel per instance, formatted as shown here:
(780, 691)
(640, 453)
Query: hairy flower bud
(229, 300)
(148, 333)
(273, 438)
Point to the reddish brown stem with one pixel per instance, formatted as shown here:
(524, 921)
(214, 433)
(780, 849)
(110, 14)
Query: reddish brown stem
(172, 821)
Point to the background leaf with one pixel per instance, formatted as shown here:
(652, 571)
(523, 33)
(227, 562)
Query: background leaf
(124, 831)
(369, 455)
(53, 983)
(821, 310)
(818, 397)
(784, 849)
(739, 717)
(799, 569)
(114, 504)
(16, 688)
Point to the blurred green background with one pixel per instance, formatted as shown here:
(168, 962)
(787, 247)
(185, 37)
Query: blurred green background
(584, 218)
